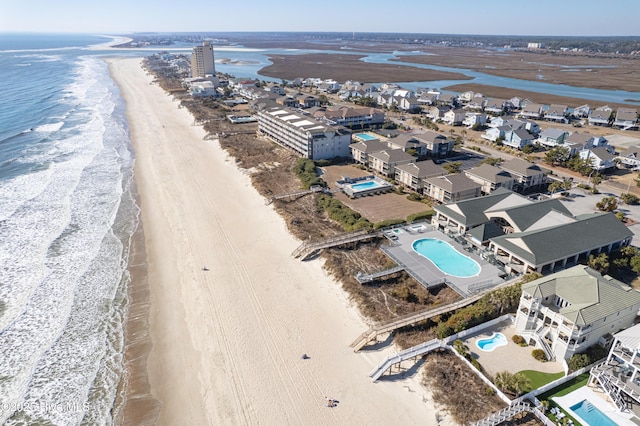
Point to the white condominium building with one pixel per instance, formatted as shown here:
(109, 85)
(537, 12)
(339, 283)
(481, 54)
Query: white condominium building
(301, 133)
(202, 60)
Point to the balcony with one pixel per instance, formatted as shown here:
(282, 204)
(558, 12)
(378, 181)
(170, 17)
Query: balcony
(626, 355)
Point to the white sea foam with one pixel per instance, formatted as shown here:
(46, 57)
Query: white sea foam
(62, 265)
(20, 189)
(42, 58)
(50, 127)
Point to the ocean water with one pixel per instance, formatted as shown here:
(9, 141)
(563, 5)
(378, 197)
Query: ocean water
(66, 218)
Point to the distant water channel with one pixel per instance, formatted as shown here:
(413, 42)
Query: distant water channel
(246, 62)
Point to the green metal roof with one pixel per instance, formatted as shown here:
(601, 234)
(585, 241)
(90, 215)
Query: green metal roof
(546, 245)
(592, 296)
(471, 212)
(523, 216)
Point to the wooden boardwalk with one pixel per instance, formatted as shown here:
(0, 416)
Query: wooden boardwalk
(373, 332)
(367, 278)
(412, 352)
(296, 194)
(387, 327)
(307, 248)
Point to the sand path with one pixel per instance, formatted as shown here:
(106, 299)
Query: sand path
(227, 342)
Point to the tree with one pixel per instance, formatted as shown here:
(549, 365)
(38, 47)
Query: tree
(600, 262)
(453, 167)
(557, 156)
(630, 199)
(528, 149)
(607, 204)
(555, 186)
(503, 380)
(580, 165)
(635, 264)
(520, 384)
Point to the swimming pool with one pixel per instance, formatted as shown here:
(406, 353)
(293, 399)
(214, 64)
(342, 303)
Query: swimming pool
(497, 340)
(591, 415)
(365, 137)
(366, 185)
(446, 258)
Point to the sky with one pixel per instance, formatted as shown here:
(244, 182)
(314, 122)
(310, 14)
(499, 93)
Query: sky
(499, 17)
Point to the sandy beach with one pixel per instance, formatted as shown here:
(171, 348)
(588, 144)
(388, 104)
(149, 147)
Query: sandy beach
(227, 342)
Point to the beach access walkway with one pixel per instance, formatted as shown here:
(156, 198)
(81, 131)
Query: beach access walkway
(307, 248)
(296, 194)
(373, 332)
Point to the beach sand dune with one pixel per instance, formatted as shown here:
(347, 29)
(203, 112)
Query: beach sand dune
(227, 342)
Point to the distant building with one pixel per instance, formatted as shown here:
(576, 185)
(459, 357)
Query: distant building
(303, 134)
(202, 60)
(535, 46)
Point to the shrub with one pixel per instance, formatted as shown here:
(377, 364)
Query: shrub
(539, 355)
(305, 169)
(591, 355)
(414, 196)
(519, 340)
(349, 219)
(629, 198)
(388, 222)
(419, 216)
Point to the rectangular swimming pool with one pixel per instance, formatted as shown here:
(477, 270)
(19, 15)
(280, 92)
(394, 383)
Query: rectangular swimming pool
(591, 415)
(365, 185)
(365, 137)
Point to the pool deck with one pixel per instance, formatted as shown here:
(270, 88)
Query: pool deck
(598, 399)
(511, 357)
(402, 252)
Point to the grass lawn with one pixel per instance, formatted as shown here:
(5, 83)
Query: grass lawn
(539, 379)
(565, 388)
(562, 390)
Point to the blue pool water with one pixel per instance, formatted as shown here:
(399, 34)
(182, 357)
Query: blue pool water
(591, 415)
(365, 137)
(487, 345)
(365, 185)
(446, 258)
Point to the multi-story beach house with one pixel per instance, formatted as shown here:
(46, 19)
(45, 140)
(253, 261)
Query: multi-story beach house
(497, 106)
(557, 113)
(599, 158)
(303, 134)
(490, 177)
(412, 175)
(567, 312)
(385, 162)
(473, 119)
(528, 176)
(202, 61)
(626, 118)
(454, 117)
(619, 375)
(552, 137)
(362, 150)
(600, 116)
(358, 118)
(518, 139)
(531, 110)
(437, 145)
(451, 188)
